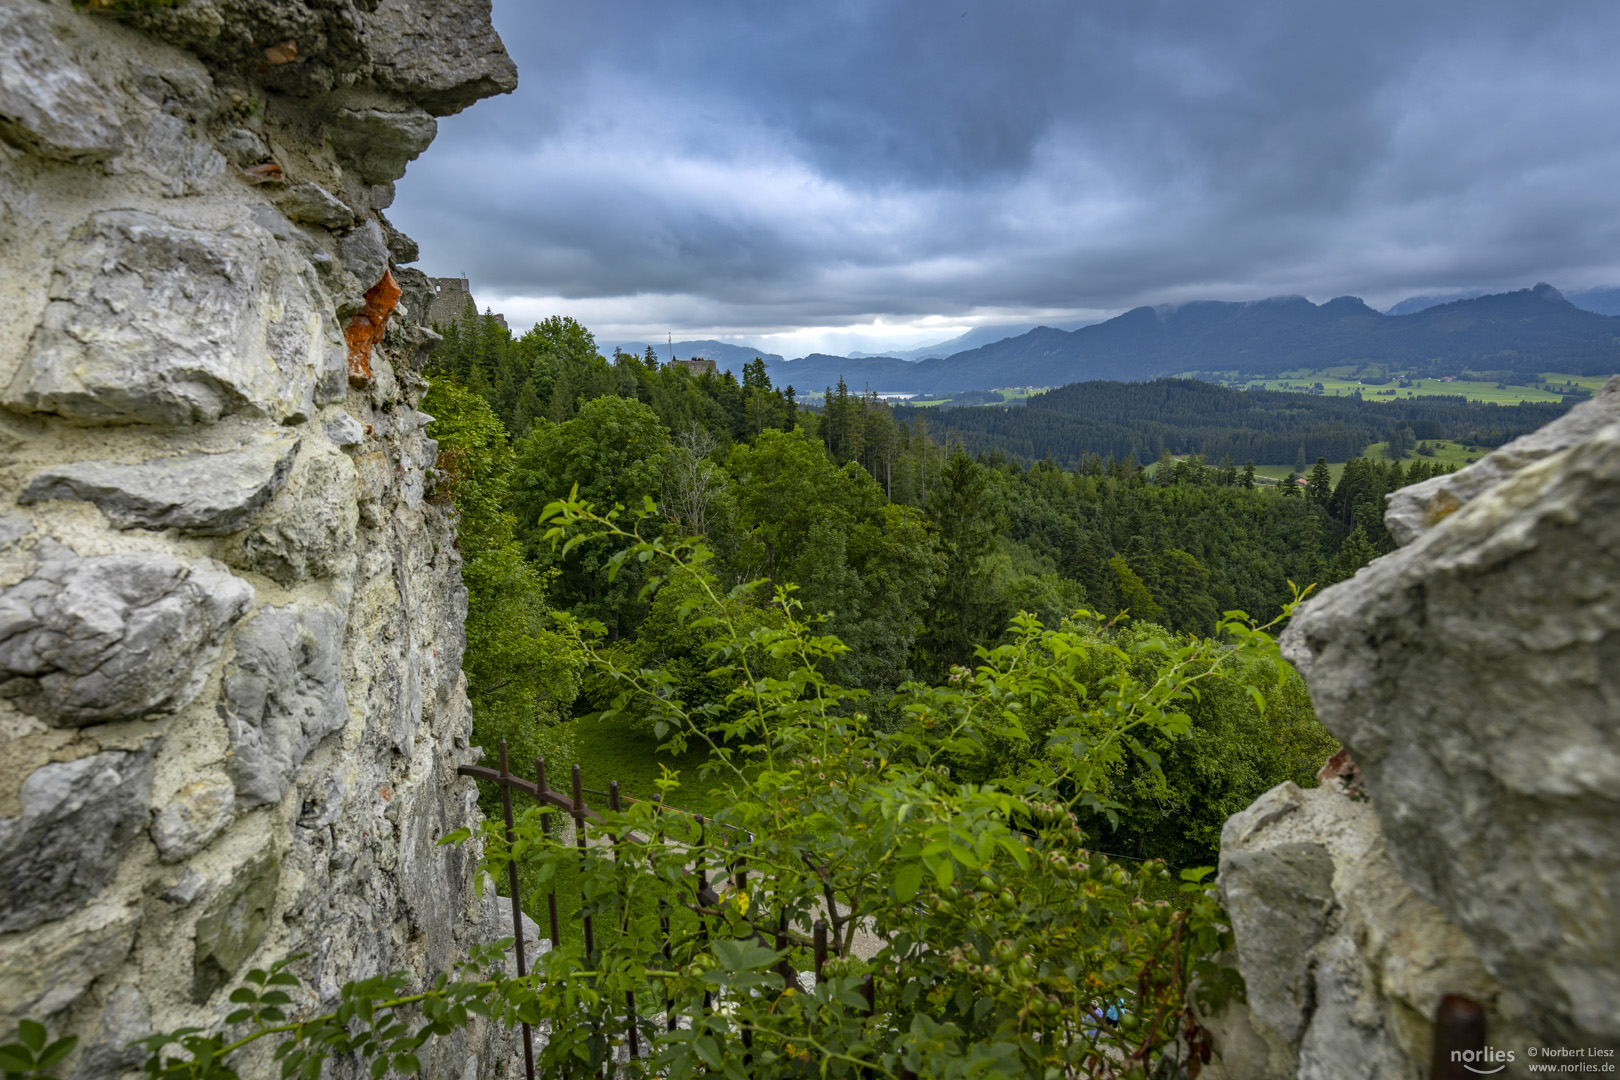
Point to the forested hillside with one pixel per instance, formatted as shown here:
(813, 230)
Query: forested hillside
(912, 549)
(1145, 420)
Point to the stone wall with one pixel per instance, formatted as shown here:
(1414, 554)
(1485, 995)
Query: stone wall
(231, 704)
(1474, 678)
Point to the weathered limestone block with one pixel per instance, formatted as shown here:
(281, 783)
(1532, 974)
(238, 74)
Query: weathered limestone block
(380, 142)
(61, 960)
(124, 1020)
(312, 204)
(234, 924)
(365, 253)
(234, 34)
(1474, 675)
(167, 150)
(115, 637)
(1418, 507)
(283, 694)
(48, 103)
(77, 819)
(309, 531)
(1280, 900)
(152, 322)
(1344, 963)
(205, 494)
(343, 429)
(442, 54)
(199, 812)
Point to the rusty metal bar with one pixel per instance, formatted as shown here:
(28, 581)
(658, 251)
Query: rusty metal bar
(1459, 1039)
(784, 968)
(703, 887)
(577, 809)
(502, 777)
(663, 927)
(545, 828)
(820, 931)
(624, 926)
(555, 798)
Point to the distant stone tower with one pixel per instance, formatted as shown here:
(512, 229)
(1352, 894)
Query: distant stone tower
(450, 297)
(698, 365)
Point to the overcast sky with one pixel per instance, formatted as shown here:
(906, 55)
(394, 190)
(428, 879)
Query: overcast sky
(849, 175)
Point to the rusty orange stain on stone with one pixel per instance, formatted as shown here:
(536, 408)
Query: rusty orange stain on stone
(284, 52)
(366, 329)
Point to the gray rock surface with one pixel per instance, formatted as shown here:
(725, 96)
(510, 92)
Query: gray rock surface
(365, 253)
(114, 637)
(48, 103)
(173, 303)
(151, 322)
(1474, 676)
(309, 531)
(187, 823)
(78, 817)
(380, 142)
(283, 694)
(112, 1048)
(1280, 900)
(206, 494)
(312, 204)
(1418, 507)
(233, 924)
(63, 959)
(1344, 963)
(442, 54)
(13, 527)
(343, 429)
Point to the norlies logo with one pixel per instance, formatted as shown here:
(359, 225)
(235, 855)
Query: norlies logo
(1485, 1061)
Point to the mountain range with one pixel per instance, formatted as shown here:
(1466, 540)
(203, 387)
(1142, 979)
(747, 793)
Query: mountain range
(1530, 330)
(1526, 331)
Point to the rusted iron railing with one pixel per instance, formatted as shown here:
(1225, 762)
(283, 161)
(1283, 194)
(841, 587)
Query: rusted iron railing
(573, 804)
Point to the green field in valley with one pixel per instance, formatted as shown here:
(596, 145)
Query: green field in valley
(1374, 385)
(1447, 453)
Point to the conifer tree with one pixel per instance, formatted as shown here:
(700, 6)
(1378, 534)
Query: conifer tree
(1320, 489)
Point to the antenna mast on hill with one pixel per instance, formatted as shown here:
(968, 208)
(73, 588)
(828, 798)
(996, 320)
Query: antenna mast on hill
(671, 339)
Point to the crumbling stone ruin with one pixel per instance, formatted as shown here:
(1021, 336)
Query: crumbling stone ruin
(696, 366)
(230, 624)
(1474, 678)
(451, 295)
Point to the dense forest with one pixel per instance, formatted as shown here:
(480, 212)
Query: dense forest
(1144, 420)
(909, 548)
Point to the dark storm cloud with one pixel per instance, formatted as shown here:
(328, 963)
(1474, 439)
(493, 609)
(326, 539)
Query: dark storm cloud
(757, 166)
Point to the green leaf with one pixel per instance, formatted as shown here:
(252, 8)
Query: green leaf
(16, 1058)
(708, 1050)
(32, 1033)
(743, 955)
(58, 1050)
(455, 837)
(907, 880)
(944, 873)
(407, 1063)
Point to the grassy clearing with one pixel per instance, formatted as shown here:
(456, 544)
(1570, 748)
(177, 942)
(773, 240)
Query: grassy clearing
(1345, 381)
(1446, 453)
